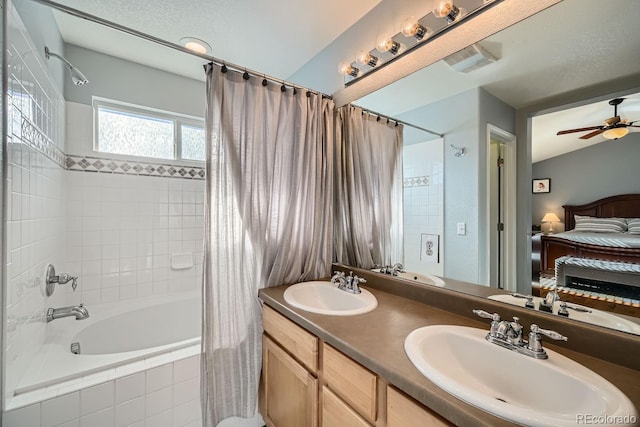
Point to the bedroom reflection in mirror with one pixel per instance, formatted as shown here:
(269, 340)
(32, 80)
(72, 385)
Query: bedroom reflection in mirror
(595, 263)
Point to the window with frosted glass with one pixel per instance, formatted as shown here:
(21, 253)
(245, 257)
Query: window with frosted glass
(138, 131)
(192, 139)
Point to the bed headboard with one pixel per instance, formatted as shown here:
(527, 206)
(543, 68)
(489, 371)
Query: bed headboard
(621, 206)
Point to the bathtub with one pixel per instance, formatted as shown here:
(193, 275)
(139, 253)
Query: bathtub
(117, 339)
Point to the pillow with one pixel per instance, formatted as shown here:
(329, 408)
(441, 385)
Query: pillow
(633, 225)
(600, 225)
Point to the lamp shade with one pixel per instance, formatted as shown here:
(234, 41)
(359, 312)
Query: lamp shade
(550, 217)
(615, 133)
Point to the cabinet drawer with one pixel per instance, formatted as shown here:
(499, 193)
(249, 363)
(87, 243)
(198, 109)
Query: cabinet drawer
(402, 411)
(300, 343)
(336, 413)
(353, 383)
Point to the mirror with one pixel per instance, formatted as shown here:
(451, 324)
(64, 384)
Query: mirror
(536, 73)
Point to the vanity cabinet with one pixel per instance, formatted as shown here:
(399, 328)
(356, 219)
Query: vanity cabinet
(307, 382)
(289, 389)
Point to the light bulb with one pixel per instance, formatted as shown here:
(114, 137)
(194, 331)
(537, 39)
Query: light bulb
(347, 69)
(365, 58)
(387, 44)
(446, 9)
(412, 28)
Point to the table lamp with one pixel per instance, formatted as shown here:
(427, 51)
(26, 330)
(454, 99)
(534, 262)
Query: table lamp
(550, 217)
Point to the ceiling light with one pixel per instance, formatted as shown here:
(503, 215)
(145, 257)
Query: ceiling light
(446, 9)
(615, 133)
(348, 69)
(196, 45)
(365, 58)
(412, 28)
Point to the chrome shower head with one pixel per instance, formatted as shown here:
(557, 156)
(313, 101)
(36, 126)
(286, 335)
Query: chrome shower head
(77, 77)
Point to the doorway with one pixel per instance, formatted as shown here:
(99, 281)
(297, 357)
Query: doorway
(501, 206)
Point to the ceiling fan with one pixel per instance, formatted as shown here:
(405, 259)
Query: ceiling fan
(613, 128)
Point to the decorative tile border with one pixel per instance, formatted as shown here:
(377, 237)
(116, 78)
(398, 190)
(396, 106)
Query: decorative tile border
(36, 139)
(128, 167)
(418, 181)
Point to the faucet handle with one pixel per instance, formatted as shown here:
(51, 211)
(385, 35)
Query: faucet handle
(548, 333)
(494, 317)
(339, 273)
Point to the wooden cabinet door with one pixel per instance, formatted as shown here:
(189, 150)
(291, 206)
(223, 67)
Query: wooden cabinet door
(290, 391)
(336, 413)
(402, 411)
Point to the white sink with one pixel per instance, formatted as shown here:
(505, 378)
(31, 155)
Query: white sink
(418, 277)
(596, 317)
(325, 298)
(533, 392)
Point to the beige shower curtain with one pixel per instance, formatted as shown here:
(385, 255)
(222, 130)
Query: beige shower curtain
(268, 221)
(368, 189)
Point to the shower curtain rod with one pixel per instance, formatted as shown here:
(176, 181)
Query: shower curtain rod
(87, 16)
(375, 113)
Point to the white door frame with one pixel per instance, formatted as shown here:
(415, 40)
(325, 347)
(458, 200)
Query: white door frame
(509, 187)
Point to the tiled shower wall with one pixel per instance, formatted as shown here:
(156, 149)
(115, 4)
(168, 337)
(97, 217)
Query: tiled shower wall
(423, 186)
(116, 231)
(123, 231)
(34, 197)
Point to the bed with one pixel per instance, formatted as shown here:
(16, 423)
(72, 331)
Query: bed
(606, 246)
(585, 246)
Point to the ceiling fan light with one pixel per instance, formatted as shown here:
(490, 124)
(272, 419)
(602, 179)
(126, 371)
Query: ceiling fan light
(615, 133)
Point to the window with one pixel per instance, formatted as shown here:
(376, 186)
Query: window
(138, 131)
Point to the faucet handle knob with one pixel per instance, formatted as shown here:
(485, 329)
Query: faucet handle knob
(339, 273)
(548, 333)
(494, 317)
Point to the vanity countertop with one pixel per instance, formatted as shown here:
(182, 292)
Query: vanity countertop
(376, 341)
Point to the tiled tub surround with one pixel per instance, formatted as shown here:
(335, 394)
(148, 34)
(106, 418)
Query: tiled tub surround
(122, 231)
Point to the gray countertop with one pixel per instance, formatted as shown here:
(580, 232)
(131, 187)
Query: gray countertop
(376, 341)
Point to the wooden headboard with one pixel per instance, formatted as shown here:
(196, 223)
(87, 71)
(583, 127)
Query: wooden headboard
(621, 206)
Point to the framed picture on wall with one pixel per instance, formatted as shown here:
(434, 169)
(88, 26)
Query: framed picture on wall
(542, 185)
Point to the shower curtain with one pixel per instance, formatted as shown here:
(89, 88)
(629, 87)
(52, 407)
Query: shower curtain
(268, 221)
(368, 189)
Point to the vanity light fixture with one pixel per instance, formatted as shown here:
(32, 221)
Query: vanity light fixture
(77, 77)
(387, 44)
(414, 33)
(615, 133)
(366, 58)
(196, 45)
(348, 69)
(412, 28)
(446, 9)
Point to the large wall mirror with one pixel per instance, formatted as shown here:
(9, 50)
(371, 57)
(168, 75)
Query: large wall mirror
(471, 195)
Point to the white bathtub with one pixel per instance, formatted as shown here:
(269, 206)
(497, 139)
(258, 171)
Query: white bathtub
(117, 339)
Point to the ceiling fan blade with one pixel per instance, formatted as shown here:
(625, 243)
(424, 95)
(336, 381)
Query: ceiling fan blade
(612, 121)
(564, 132)
(633, 126)
(592, 134)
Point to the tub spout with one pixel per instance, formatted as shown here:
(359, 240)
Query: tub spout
(78, 311)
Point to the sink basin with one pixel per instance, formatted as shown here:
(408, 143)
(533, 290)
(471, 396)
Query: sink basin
(552, 392)
(418, 277)
(596, 317)
(325, 298)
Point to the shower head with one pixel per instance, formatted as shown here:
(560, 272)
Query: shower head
(77, 77)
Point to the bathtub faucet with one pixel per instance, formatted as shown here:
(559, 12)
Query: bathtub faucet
(75, 310)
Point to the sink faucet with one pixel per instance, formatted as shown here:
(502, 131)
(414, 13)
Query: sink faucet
(547, 303)
(348, 283)
(78, 311)
(392, 270)
(510, 335)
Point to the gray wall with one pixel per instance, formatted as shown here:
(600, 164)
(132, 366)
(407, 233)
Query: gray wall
(457, 117)
(605, 169)
(43, 30)
(122, 80)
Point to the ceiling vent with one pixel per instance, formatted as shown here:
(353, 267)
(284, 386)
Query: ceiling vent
(470, 58)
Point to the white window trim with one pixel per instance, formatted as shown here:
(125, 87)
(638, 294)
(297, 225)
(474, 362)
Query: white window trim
(178, 120)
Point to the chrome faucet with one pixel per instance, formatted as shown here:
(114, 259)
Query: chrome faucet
(51, 279)
(348, 283)
(392, 270)
(78, 311)
(510, 335)
(547, 303)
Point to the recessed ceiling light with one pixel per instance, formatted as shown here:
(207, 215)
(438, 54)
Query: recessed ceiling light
(196, 45)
